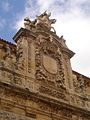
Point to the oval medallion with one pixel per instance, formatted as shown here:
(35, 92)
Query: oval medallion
(50, 64)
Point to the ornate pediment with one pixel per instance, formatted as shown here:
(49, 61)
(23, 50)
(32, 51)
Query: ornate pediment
(42, 22)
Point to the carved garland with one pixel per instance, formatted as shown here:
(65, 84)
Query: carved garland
(79, 84)
(61, 112)
(20, 60)
(29, 57)
(49, 48)
(53, 93)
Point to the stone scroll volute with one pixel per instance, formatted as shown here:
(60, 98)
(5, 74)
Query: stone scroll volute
(48, 61)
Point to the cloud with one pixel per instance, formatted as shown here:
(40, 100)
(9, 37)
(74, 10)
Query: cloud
(73, 21)
(31, 10)
(66, 9)
(6, 6)
(76, 33)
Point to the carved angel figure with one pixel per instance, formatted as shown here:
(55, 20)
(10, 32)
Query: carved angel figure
(29, 24)
(44, 19)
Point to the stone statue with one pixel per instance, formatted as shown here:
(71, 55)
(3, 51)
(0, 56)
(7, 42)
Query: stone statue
(29, 24)
(44, 19)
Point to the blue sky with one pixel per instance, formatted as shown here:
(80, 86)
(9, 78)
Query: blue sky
(73, 22)
(9, 10)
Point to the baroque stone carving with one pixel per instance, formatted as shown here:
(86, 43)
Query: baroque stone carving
(17, 80)
(79, 84)
(8, 57)
(42, 89)
(6, 76)
(29, 57)
(77, 101)
(30, 25)
(20, 57)
(11, 78)
(12, 96)
(45, 47)
(53, 93)
(8, 53)
(44, 106)
(42, 22)
(63, 113)
(11, 116)
(45, 21)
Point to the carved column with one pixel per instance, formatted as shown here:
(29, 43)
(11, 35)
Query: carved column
(25, 58)
(21, 56)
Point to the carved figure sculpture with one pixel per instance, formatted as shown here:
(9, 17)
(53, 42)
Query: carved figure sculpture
(44, 19)
(29, 24)
(79, 84)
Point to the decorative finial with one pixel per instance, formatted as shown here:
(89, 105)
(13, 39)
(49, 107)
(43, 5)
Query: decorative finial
(42, 22)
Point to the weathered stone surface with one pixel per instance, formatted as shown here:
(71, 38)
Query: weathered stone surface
(50, 64)
(36, 77)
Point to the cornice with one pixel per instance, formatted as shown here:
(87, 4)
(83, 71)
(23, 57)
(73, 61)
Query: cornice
(2, 41)
(5, 43)
(26, 33)
(37, 96)
(23, 32)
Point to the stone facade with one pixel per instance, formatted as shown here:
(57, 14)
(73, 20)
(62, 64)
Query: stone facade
(36, 78)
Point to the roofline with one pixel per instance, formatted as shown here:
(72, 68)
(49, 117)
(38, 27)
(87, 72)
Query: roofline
(80, 74)
(7, 42)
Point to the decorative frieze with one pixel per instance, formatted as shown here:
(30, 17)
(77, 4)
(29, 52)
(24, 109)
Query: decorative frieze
(78, 101)
(7, 57)
(4, 115)
(12, 96)
(79, 84)
(57, 110)
(11, 78)
(53, 93)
